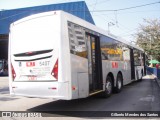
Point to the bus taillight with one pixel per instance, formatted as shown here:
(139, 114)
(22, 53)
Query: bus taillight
(13, 72)
(54, 72)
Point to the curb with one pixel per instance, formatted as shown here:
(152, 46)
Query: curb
(158, 81)
(155, 78)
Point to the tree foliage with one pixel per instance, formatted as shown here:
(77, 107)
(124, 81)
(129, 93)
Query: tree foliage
(148, 37)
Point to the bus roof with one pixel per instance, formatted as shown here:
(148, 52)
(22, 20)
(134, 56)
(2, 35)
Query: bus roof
(80, 22)
(99, 30)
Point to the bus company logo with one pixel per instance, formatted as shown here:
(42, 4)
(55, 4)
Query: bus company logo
(30, 64)
(114, 64)
(6, 114)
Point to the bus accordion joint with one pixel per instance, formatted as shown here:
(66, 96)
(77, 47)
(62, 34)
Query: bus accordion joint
(13, 72)
(54, 72)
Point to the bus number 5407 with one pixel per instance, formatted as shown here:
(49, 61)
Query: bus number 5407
(44, 63)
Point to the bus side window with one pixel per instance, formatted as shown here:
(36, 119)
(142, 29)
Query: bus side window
(77, 40)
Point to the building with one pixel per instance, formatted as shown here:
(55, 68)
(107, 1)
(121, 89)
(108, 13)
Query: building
(78, 9)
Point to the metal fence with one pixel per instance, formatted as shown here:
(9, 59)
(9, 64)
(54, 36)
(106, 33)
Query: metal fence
(154, 71)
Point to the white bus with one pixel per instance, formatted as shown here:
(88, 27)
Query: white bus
(58, 55)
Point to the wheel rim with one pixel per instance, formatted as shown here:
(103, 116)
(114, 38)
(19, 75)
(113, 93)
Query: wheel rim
(109, 87)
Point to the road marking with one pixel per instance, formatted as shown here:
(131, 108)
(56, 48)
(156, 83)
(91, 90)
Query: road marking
(149, 98)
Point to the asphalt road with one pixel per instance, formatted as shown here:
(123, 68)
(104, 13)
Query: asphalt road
(137, 96)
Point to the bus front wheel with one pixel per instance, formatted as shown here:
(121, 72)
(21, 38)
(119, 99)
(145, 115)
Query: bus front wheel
(119, 83)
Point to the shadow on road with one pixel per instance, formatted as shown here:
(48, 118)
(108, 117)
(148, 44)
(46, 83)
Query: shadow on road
(87, 107)
(71, 105)
(93, 106)
(137, 96)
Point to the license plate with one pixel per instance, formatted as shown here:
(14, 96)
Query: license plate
(32, 77)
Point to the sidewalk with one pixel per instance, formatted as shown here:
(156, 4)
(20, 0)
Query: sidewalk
(152, 76)
(4, 81)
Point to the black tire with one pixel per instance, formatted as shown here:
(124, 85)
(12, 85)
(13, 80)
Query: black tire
(108, 87)
(119, 83)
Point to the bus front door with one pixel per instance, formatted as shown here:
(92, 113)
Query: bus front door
(94, 64)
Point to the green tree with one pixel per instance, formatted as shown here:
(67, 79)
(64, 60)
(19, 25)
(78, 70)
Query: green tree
(148, 37)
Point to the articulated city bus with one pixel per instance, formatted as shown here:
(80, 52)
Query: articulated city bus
(58, 55)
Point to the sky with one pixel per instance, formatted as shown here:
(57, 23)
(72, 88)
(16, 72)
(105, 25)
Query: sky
(120, 22)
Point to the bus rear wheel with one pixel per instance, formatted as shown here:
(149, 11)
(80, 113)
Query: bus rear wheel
(119, 83)
(108, 87)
